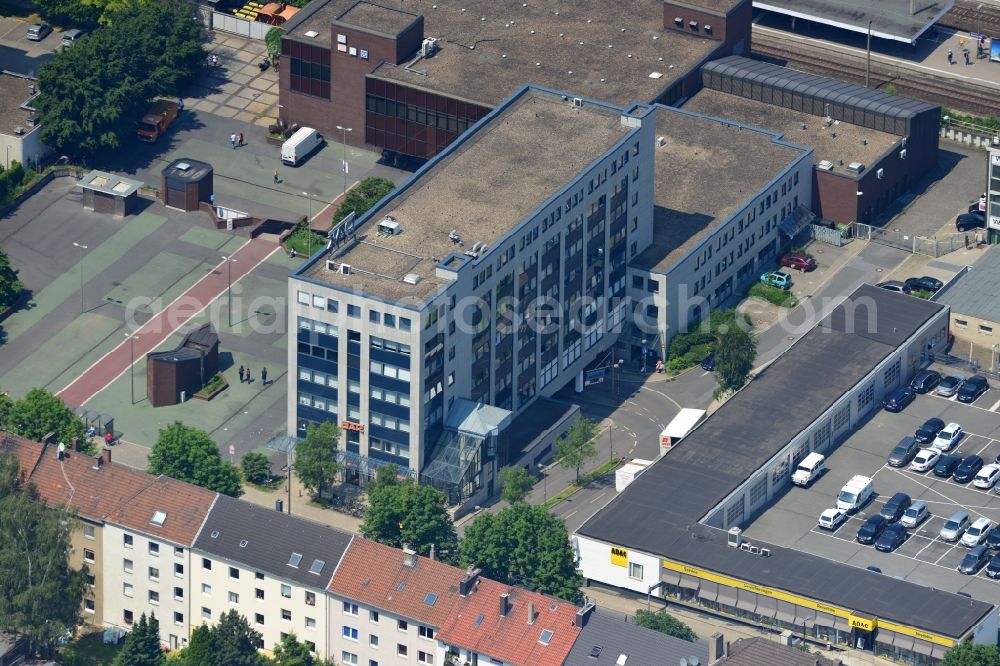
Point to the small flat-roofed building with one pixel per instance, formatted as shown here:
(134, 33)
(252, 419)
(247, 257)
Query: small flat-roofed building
(896, 20)
(20, 135)
(868, 147)
(722, 191)
(109, 193)
(412, 78)
(428, 303)
(186, 183)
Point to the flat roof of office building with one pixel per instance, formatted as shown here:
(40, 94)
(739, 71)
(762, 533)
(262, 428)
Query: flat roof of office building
(617, 52)
(890, 19)
(482, 187)
(738, 160)
(977, 291)
(750, 429)
(839, 143)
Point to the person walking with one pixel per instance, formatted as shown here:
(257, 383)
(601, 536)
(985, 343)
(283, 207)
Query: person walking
(239, 140)
(263, 376)
(232, 140)
(275, 174)
(249, 378)
(241, 374)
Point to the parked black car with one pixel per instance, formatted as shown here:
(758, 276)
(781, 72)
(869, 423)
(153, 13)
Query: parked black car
(972, 388)
(902, 455)
(924, 283)
(926, 380)
(929, 430)
(967, 221)
(708, 363)
(872, 529)
(894, 508)
(993, 568)
(974, 560)
(967, 469)
(993, 540)
(946, 465)
(898, 399)
(891, 539)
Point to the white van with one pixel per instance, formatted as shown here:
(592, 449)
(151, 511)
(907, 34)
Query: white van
(808, 469)
(855, 493)
(300, 145)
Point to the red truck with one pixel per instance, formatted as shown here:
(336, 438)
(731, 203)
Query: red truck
(156, 121)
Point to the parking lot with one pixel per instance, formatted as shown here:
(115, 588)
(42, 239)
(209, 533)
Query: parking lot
(923, 558)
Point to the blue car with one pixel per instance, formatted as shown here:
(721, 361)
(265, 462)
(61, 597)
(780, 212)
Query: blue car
(708, 363)
(898, 399)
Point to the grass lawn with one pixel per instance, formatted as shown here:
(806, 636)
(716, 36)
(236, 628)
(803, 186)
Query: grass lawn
(773, 295)
(90, 650)
(299, 241)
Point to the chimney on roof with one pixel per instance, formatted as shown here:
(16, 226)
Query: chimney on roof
(716, 648)
(75, 443)
(504, 604)
(106, 454)
(409, 557)
(432, 552)
(531, 612)
(583, 614)
(49, 438)
(468, 582)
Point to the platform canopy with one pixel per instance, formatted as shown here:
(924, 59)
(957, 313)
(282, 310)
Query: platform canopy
(898, 20)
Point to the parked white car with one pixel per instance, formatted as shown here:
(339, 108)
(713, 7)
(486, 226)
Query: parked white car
(948, 438)
(977, 533)
(831, 519)
(987, 476)
(925, 460)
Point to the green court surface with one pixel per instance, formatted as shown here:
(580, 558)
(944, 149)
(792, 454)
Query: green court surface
(68, 284)
(163, 270)
(66, 354)
(210, 238)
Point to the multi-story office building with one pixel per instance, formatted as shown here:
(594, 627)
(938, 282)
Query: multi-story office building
(270, 567)
(147, 556)
(493, 276)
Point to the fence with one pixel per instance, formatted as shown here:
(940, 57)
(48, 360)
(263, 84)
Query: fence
(931, 247)
(239, 26)
(827, 235)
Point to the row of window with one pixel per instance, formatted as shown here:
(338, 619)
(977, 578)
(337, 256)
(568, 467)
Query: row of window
(354, 311)
(390, 422)
(983, 328)
(317, 377)
(389, 370)
(317, 402)
(389, 345)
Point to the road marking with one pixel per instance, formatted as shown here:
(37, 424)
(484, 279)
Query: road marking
(995, 405)
(570, 514)
(599, 497)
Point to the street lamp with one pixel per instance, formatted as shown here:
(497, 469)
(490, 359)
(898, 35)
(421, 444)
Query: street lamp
(229, 287)
(309, 236)
(82, 248)
(131, 351)
(868, 59)
(345, 130)
(616, 368)
(611, 441)
(545, 485)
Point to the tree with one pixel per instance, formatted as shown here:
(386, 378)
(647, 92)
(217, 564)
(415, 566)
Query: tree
(576, 446)
(291, 652)
(734, 357)
(968, 653)
(386, 475)
(524, 545)
(189, 454)
(10, 286)
(316, 456)
(665, 624)
(515, 484)
(39, 413)
(72, 12)
(6, 403)
(256, 468)
(150, 49)
(363, 196)
(234, 642)
(142, 645)
(272, 38)
(199, 650)
(407, 514)
(40, 595)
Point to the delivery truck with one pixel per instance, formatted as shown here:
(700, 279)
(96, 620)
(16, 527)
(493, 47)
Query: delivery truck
(154, 124)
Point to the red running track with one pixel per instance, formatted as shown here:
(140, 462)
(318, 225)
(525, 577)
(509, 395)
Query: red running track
(165, 323)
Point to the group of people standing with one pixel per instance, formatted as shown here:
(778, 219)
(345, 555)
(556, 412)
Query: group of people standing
(245, 375)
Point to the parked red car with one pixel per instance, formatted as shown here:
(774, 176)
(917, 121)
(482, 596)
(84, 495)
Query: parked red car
(798, 261)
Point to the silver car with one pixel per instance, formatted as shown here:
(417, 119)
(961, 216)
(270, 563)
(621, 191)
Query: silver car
(949, 385)
(955, 526)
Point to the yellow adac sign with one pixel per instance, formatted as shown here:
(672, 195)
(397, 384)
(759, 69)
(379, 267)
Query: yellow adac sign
(619, 556)
(864, 623)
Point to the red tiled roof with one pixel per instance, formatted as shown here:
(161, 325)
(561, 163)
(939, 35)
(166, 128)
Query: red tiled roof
(185, 505)
(77, 482)
(374, 574)
(26, 451)
(510, 638)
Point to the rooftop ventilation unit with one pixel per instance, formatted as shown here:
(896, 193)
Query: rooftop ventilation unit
(19, 130)
(902, 154)
(765, 552)
(577, 102)
(825, 165)
(735, 537)
(656, 75)
(856, 167)
(311, 34)
(661, 141)
(454, 237)
(693, 24)
(429, 47)
(345, 269)
(388, 227)
(880, 174)
(411, 278)
(331, 265)
(32, 121)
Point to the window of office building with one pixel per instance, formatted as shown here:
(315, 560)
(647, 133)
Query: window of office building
(309, 68)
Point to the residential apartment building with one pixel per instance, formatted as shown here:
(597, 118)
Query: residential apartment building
(495, 275)
(147, 557)
(270, 567)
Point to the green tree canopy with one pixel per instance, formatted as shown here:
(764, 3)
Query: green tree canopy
(40, 595)
(10, 286)
(93, 95)
(665, 624)
(72, 12)
(190, 455)
(515, 484)
(291, 652)
(142, 645)
(363, 196)
(734, 357)
(256, 468)
(524, 545)
(234, 642)
(199, 649)
(968, 653)
(39, 413)
(316, 456)
(407, 514)
(6, 404)
(576, 446)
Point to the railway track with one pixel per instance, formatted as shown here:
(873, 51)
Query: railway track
(849, 65)
(965, 17)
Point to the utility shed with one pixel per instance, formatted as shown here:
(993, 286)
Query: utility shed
(107, 193)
